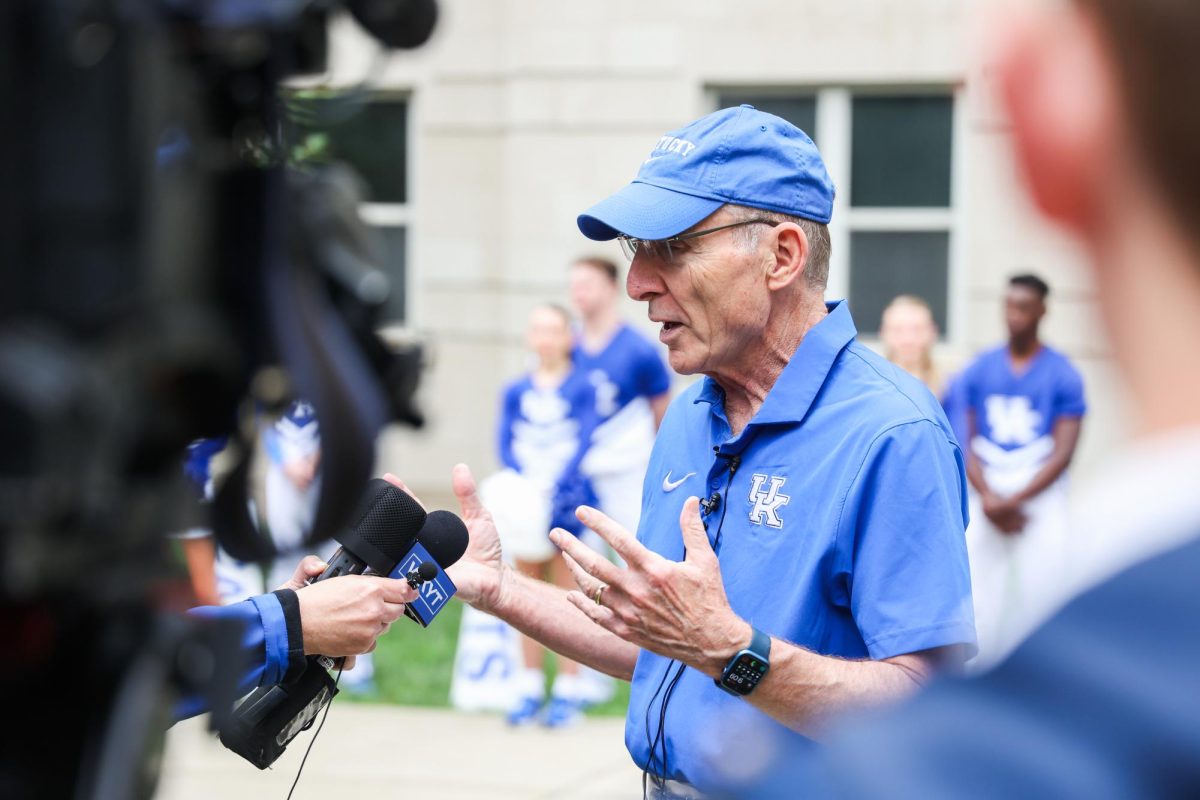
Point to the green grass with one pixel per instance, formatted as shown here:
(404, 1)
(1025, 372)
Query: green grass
(413, 666)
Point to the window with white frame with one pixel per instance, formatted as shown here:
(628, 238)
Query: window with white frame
(370, 133)
(891, 155)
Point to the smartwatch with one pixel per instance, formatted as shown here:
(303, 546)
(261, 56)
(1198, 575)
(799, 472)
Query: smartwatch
(747, 667)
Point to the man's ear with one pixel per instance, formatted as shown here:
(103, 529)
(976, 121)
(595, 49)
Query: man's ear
(1058, 90)
(791, 256)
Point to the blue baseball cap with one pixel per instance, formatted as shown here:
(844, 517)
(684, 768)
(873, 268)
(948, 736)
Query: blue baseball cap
(736, 155)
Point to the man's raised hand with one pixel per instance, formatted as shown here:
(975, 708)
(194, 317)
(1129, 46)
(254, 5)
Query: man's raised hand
(676, 609)
(479, 573)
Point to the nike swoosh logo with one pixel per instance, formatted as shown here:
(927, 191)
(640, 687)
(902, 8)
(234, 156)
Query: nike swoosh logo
(670, 485)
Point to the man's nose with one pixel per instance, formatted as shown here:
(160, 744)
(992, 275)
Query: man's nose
(643, 281)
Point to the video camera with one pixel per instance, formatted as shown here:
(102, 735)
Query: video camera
(160, 278)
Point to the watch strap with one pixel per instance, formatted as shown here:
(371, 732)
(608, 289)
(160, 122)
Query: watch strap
(760, 645)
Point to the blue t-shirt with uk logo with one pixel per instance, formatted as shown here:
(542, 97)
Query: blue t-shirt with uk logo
(1015, 413)
(839, 527)
(626, 374)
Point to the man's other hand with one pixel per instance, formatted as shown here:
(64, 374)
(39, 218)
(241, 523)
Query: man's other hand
(478, 575)
(677, 609)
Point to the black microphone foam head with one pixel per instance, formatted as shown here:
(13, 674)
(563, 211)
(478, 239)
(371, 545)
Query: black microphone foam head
(384, 527)
(427, 571)
(397, 23)
(445, 537)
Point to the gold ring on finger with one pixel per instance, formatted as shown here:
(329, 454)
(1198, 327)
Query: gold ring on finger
(599, 595)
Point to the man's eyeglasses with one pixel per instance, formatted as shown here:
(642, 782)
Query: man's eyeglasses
(661, 248)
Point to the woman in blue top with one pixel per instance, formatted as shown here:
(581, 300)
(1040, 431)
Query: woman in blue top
(546, 423)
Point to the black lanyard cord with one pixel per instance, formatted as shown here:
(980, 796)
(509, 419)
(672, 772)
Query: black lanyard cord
(660, 778)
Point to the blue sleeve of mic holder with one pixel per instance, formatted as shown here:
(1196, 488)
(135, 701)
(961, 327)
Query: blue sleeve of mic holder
(273, 637)
(264, 643)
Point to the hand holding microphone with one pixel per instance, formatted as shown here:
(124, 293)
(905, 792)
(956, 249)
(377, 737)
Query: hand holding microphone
(345, 617)
(391, 535)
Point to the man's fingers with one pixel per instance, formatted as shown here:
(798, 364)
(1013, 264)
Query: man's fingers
(464, 489)
(586, 558)
(696, 545)
(399, 484)
(586, 583)
(604, 617)
(621, 540)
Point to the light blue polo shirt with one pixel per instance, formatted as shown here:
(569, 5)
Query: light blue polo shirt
(842, 531)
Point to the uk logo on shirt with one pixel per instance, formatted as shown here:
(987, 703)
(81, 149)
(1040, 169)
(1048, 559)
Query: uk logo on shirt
(1012, 419)
(607, 393)
(767, 499)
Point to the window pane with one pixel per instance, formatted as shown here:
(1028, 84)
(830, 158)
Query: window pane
(371, 134)
(901, 151)
(800, 110)
(392, 244)
(885, 264)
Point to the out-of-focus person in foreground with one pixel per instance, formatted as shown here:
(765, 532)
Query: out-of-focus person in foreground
(1103, 700)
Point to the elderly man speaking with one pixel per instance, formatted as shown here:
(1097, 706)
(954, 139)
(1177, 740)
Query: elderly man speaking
(801, 546)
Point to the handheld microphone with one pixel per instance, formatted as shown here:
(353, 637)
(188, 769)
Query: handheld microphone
(397, 23)
(388, 526)
(384, 527)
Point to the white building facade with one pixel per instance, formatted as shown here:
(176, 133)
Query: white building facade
(522, 113)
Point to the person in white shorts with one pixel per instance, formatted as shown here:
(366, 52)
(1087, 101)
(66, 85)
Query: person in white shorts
(1025, 405)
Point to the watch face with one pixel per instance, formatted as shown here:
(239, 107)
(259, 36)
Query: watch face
(744, 673)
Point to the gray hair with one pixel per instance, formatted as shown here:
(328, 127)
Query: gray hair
(816, 271)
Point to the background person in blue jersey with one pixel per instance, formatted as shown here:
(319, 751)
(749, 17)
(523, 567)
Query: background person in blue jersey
(834, 493)
(546, 422)
(1024, 408)
(632, 390)
(1103, 701)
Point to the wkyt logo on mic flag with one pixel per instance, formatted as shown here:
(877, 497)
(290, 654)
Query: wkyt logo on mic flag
(433, 594)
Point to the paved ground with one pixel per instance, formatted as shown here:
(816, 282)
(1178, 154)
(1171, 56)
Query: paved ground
(373, 751)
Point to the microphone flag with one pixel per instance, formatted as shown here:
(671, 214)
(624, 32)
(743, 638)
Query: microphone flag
(433, 594)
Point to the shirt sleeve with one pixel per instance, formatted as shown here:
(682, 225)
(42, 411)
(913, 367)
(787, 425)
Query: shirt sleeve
(969, 391)
(954, 404)
(504, 429)
(901, 543)
(1068, 397)
(653, 378)
(264, 644)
